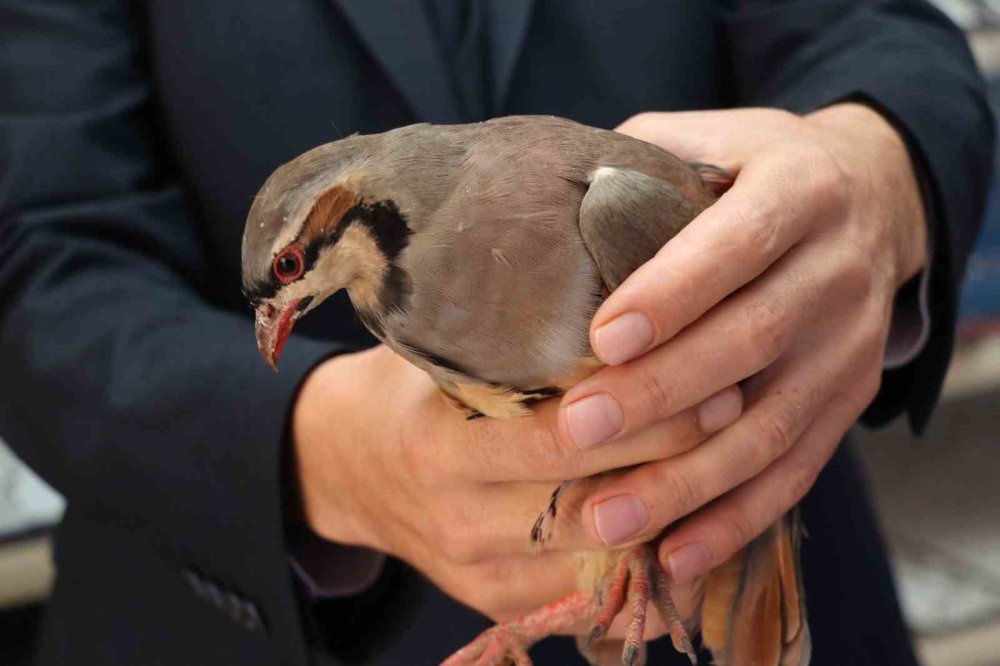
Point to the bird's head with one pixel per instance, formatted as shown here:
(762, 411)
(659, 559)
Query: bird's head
(316, 227)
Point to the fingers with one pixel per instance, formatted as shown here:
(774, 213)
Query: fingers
(637, 506)
(483, 519)
(734, 341)
(840, 366)
(715, 533)
(667, 438)
(532, 449)
(774, 204)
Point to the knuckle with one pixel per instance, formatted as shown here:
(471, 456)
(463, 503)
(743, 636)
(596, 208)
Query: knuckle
(773, 434)
(658, 393)
(679, 496)
(740, 530)
(799, 482)
(782, 117)
(868, 388)
(760, 232)
(769, 331)
(560, 458)
(831, 183)
(856, 272)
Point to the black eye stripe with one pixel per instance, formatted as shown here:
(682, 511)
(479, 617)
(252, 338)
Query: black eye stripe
(382, 219)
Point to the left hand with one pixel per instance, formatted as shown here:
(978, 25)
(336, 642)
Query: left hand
(786, 284)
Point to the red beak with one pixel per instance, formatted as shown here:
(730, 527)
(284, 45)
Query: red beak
(273, 328)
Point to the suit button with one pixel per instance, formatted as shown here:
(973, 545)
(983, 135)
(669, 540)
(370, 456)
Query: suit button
(251, 617)
(234, 608)
(241, 611)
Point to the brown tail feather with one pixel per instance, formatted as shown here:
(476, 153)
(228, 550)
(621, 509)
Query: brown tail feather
(753, 612)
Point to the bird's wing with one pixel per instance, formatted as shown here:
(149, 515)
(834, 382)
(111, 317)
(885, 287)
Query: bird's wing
(753, 611)
(626, 217)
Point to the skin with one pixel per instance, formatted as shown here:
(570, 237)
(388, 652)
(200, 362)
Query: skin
(407, 474)
(785, 285)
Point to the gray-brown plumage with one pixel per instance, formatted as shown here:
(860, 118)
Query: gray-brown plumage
(480, 253)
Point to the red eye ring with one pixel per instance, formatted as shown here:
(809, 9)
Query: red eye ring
(289, 264)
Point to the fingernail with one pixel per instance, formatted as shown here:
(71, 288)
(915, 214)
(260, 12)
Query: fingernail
(620, 518)
(687, 562)
(594, 419)
(623, 338)
(720, 410)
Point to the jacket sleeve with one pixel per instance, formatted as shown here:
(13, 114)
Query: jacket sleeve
(907, 60)
(122, 384)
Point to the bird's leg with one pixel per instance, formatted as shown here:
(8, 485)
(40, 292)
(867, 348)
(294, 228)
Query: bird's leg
(610, 602)
(509, 642)
(638, 593)
(663, 602)
(639, 574)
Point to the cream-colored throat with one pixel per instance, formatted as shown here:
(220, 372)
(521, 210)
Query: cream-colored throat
(355, 262)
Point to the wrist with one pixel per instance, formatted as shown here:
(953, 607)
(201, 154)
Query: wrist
(319, 464)
(881, 155)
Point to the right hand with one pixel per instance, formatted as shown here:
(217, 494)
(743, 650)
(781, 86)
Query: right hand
(384, 462)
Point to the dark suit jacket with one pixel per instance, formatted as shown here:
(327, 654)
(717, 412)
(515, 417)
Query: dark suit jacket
(132, 138)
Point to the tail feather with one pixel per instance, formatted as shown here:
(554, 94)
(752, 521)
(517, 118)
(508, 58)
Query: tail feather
(719, 600)
(753, 613)
(798, 643)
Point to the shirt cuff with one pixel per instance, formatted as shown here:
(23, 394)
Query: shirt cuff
(328, 570)
(911, 321)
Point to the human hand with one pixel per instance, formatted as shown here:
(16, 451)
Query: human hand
(785, 284)
(384, 462)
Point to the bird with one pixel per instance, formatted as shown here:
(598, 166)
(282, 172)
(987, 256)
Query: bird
(480, 253)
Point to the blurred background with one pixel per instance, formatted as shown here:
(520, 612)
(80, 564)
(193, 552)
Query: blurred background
(938, 496)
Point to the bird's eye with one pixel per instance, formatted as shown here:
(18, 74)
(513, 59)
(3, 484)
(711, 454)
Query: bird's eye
(289, 265)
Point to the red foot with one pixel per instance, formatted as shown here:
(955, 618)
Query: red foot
(637, 578)
(510, 642)
(611, 601)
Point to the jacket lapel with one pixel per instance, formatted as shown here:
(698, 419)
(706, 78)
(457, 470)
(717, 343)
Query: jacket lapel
(399, 36)
(509, 21)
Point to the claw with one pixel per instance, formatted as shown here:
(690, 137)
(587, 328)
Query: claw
(611, 601)
(632, 654)
(596, 635)
(637, 577)
(663, 602)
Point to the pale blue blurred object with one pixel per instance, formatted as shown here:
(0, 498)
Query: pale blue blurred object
(981, 294)
(26, 502)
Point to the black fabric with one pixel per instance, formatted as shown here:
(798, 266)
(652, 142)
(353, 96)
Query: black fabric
(449, 18)
(462, 28)
(132, 139)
